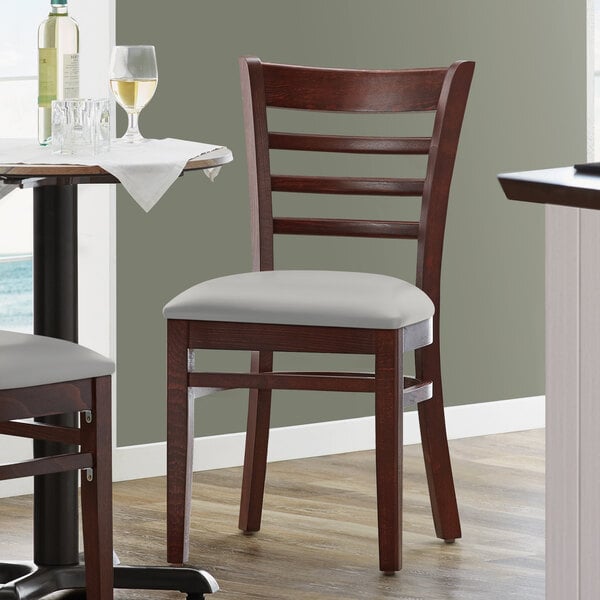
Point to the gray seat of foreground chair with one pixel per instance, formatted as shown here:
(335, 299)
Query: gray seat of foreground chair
(269, 310)
(41, 377)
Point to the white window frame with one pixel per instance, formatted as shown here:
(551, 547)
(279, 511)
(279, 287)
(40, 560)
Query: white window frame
(97, 203)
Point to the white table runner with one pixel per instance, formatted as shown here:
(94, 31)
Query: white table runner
(146, 170)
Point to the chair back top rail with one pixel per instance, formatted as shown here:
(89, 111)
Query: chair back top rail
(352, 90)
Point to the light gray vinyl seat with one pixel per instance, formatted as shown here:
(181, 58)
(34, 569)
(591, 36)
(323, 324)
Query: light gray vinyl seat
(28, 360)
(314, 298)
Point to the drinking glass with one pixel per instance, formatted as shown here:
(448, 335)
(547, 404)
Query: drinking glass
(133, 81)
(80, 126)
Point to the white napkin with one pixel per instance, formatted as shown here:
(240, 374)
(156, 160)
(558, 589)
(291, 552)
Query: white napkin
(146, 170)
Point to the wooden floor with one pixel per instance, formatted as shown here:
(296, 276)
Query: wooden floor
(319, 538)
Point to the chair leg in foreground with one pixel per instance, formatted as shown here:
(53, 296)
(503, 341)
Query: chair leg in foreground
(96, 495)
(388, 447)
(180, 440)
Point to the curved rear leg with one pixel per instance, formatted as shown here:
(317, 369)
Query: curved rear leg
(435, 446)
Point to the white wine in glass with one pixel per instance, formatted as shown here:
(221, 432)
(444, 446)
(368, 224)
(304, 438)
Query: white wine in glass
(133, 81)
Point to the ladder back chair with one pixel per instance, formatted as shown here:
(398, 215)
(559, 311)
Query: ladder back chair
(270, 310)
(43, 377)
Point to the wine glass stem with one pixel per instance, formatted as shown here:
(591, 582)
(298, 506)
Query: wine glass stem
(133, 132)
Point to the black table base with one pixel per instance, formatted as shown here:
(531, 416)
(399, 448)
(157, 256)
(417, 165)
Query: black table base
(56, 563)
(26, 581)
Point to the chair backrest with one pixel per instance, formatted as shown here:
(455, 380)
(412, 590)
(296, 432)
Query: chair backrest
(443, 90)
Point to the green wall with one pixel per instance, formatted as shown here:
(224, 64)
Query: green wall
(526, 110)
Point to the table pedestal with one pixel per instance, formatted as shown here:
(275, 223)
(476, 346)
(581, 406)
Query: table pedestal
(56, 563)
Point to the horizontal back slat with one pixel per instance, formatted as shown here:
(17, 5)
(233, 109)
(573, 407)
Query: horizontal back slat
(368, 186)
(352, 90)
(347, 227)
(339, 143)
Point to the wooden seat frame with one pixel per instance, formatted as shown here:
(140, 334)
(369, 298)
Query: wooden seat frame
(91, 397)
(444, 90)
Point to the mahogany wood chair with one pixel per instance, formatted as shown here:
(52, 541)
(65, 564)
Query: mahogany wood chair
(43, 377)
(269, 310)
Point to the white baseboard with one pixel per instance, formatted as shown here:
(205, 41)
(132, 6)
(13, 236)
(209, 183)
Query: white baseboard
(332, 437)
(319, 439)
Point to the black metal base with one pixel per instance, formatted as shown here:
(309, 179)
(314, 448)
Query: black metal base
(26, 581)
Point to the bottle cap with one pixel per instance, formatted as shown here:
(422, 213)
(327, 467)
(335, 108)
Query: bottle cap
(58, 1)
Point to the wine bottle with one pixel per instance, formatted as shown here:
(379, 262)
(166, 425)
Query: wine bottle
(58, 60)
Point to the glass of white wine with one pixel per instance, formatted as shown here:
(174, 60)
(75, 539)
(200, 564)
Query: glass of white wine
(133, 81)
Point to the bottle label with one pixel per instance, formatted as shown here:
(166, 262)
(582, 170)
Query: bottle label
(48, 85)
(70, 75)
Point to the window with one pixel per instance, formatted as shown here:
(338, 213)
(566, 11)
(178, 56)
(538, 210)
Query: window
(18, 118)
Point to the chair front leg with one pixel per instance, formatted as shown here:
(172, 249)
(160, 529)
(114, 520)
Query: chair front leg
(180, 440)
(257, 442)
(96, 495)
(388, 447)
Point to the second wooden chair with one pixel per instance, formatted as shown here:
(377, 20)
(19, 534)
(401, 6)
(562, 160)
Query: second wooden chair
(41, 377)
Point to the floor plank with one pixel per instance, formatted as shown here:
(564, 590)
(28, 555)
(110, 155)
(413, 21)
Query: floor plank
(319, 539)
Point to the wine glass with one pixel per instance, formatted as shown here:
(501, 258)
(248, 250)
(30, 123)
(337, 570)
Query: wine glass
(133, 81)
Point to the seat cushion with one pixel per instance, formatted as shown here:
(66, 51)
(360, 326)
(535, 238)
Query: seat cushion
(320, 298)
(27, 360)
